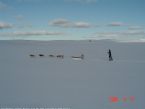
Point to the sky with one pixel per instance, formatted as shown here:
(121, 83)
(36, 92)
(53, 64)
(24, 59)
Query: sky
(121, 20)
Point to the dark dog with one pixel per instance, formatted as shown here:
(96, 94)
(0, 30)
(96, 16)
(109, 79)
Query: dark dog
(60, 56)
(41, 55)
(31, 55)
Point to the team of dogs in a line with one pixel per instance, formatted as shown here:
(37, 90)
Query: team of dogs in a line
(57, 56)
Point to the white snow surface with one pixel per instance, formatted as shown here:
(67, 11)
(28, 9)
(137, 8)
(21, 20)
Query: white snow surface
(66, 83)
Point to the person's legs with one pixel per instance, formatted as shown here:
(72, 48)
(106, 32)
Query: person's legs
(110, 58)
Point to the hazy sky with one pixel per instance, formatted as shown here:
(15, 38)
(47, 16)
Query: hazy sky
(72, 19)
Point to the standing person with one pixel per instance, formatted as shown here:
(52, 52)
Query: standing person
(110, 55)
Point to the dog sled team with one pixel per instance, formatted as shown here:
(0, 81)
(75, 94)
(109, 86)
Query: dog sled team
(81, 57)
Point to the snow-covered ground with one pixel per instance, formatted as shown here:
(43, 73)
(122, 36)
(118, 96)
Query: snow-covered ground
(77, 84)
